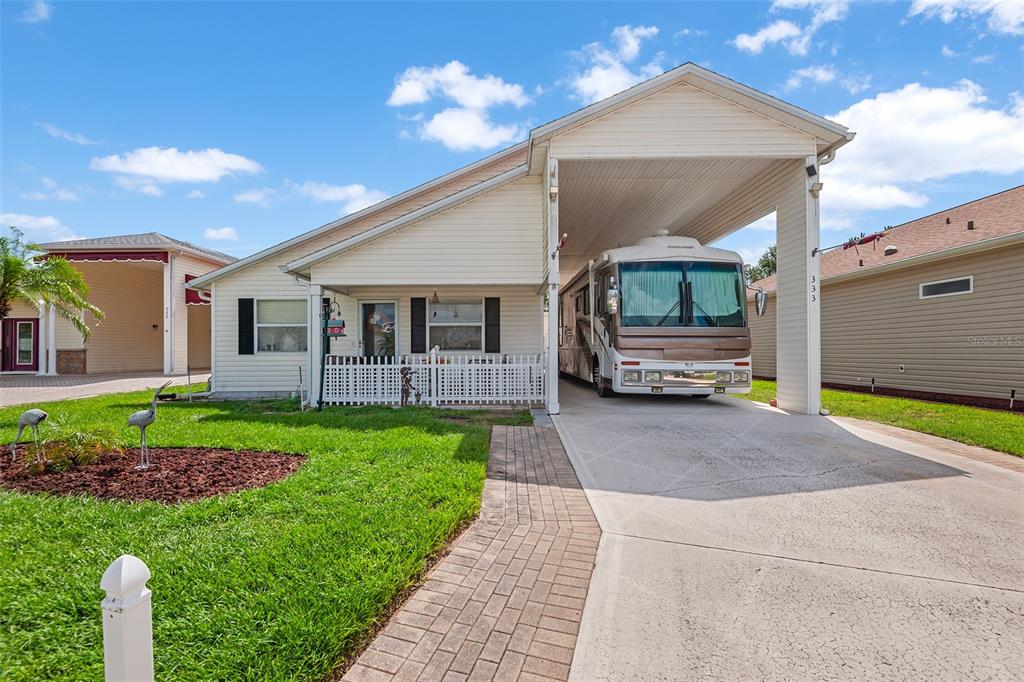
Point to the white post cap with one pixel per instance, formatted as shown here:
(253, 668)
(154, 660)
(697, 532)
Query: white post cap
(125, 580)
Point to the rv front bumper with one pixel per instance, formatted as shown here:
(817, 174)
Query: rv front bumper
(673, 380)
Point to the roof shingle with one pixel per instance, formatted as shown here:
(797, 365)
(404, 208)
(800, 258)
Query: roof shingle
(145, 240)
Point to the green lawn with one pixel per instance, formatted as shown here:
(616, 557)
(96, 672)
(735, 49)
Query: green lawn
(276, 583)
(993, 429)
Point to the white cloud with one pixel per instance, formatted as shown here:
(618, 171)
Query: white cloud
(467, 126)
(766, 223)
(607, 70)
(417, 85)
(983, 59)
(38, 12)
(948, 52)
(353, 197)
(856, 84)
(138, 185)
(815, 74)
(142, 168)
(797, 40)
(260, 197)
(221, 234)
(55, 193)
(464, 130)
(687, 32)
(1004, 16)
(43, 228)
(769, 35)
(61, 134)
(917, 134)
(195, 194)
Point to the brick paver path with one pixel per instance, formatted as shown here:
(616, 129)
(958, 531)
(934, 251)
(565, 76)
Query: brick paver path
(506, 603)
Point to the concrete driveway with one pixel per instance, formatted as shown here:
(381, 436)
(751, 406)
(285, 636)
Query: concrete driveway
(740, 542)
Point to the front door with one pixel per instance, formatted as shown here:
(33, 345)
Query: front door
(20, 345)
(378, 328)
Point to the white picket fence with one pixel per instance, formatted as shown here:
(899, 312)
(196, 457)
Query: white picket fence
(440, 379)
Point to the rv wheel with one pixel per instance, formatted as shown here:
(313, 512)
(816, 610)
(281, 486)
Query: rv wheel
(598, 381)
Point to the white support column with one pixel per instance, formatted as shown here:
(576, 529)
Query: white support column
(168, 336)
(41, 341)
(799, 291)
(51, 341)
(315, 344)
(554, 279)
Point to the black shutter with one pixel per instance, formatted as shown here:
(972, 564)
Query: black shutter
(246, 322)
(418, 311)
(492, 325)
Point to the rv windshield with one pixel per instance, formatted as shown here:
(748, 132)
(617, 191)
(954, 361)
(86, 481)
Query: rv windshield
(682, 294)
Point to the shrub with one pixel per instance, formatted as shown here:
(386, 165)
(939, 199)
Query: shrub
(64, 447)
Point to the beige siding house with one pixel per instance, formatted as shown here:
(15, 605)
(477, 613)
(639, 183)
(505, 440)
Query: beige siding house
(451, 278)
(152, 321)
(934, 308)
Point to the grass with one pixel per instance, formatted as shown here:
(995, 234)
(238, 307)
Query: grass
(993, 429)
(281, 582)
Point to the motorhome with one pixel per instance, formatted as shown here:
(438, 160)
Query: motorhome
(665, 316)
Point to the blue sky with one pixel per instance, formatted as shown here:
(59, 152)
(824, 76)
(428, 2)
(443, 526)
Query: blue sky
(237, 125)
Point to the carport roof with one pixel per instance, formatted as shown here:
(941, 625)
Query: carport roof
(830, 136)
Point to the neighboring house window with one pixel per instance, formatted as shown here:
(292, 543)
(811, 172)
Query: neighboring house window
(281, 326)
(456, 325)
(947, 287)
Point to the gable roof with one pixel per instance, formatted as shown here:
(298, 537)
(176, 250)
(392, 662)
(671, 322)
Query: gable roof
(144, 240)
(830, 136)
(995, 217)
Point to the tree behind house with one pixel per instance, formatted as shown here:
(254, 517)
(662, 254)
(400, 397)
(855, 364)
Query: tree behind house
(765, 265)
(27, 278)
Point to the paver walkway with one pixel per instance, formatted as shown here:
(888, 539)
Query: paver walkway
(506, 603)
(16, 389)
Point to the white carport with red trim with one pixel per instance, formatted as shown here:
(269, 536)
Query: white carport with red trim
(689, 151)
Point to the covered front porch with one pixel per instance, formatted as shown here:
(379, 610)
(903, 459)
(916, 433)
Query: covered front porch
(459, 345)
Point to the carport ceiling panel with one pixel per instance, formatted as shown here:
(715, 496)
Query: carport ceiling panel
(615, 202)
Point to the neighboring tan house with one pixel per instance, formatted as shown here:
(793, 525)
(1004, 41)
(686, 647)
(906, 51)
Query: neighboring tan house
(933, 308)
(151, 323)
(465, 262)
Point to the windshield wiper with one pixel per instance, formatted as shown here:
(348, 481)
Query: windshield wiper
(665, 316)
(712, 320)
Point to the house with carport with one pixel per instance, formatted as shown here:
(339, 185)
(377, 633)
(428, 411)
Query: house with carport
(152, 322)
(452, 277)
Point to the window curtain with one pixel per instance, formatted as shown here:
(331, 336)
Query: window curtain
(714, 289)
(650, 289)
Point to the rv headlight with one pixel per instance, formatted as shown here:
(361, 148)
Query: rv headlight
(741, 377)
(723, 377)
(652, 377)
(631, 375)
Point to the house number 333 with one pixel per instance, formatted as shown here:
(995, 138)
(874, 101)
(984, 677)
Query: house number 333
(814, 288)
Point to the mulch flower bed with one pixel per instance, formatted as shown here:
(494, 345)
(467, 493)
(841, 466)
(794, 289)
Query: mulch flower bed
(174, 474)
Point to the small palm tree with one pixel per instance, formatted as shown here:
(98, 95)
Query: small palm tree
(26, 278)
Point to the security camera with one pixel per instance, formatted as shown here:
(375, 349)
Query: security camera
(812, 170)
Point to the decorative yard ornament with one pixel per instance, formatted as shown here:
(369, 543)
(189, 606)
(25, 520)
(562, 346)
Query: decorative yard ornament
(407, 388)
(142, 419)
(31, 419)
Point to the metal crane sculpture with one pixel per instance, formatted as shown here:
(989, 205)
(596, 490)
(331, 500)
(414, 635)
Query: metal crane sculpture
(142, 419)
(31, 419)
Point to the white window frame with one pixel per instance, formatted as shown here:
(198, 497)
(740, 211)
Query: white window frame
(970, 290)
(398, 325)
(482, 324)
(256, 325)
(17, 343)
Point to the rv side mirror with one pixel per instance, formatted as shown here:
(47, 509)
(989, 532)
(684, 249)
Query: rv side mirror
(613, 296)
(760, 302)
